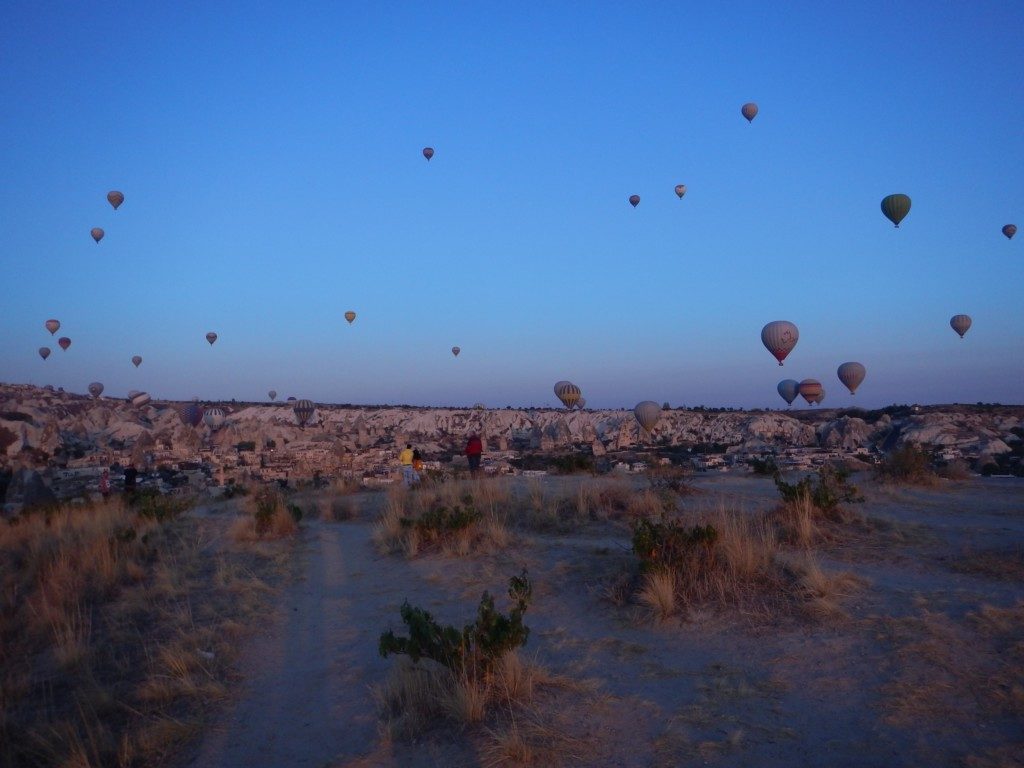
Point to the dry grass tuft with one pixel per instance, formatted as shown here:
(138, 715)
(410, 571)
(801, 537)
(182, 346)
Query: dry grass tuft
(658, 594)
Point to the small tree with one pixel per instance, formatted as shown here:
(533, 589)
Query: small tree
(826, 490)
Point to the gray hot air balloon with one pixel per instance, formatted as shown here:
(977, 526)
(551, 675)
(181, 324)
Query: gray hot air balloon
(569, 395)
(896, 207)
(810, 390)
(214, 418)
(272, 394)
(115, 198)
(647, 414)
(780, 336)
(97, 234)
(960, 324)
(303, 411)
(456, 350)
(680, 190)
(211, 337)
(749, 111)
(44, 352)
(96, 389)
(851, 374)
(137, 360)
(788, 390)
(52, 326)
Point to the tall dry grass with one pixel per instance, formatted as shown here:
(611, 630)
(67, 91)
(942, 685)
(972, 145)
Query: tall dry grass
(115, 635)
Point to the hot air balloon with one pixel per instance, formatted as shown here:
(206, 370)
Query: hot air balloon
(647, 414)
(140, 399)
(272, 394)
(97, 234)
(44, 352)
(350, 316)
(290, 399)
(809, 390)
(64, 342)
(559, 385)
(52, 326)
(851, 374)
(780, 336)
(211, 337)
(581, 403)
(896, 208)
(749, 111)
(95, 389)
(821, 397)
(456, 350)
(680, 190)
(137, 360)
(115, 198)
(960, 324)
(303, 411)
(191, 414)
(569, 395)
(1010, 230)
(788, 390)
(214, 418)
(428, 152)
(634, 200)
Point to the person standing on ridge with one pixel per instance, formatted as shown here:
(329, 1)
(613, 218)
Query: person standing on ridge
(131, 474)
(474, 447)
(405, 459)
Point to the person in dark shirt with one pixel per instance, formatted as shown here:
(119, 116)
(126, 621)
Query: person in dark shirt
(131, 475)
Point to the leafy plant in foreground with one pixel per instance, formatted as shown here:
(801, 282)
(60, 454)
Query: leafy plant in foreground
(478, 646)
(669, 545)
(826, 490)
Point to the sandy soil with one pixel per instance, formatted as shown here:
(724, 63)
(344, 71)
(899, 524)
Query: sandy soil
(924, 664)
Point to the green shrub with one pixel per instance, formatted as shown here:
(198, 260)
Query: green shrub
(669, 545)
(764, 467)
(478, 646)
(295, 511)
(267, 501)
(826, 490)
(151, 504)
(907, 464)
(572, 463)
(442, 522)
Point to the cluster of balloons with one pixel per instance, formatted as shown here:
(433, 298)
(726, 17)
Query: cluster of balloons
(115, 198)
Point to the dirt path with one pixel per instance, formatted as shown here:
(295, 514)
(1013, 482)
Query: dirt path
(306, 699)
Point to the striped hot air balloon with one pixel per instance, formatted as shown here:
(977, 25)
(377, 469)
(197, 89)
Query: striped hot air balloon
(569, 394)
(214, 418)
(896, 207)
(810, 390)
(191, 414)
(96, 389)
(303, 411)
(851, 374)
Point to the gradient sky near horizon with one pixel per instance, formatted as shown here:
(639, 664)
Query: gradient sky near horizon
(270, 155)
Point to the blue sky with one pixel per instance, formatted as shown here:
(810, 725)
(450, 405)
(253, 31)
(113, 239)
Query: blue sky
(270, 160)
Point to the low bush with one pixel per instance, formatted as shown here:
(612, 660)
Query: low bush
(826, 490)
(668, 545)
(478, 646)
(764, 467)
(150, 504)
(907, 464)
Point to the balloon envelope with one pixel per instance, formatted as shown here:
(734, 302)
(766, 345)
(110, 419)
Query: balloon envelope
(64, 342)
(789, 389)
(896, 207)
(569, 395)
(456, 350)
(1010, 230)
(303, 410)
(428, 152)
(680, 190)
(780, 336)
(44, 352)
(97, 234)
(634, 200)
(350, 316)
(810, 389)
(214, 418)
(960, 324)
(95, 389)
(140, 399)
(749, 111)
(581, 403)
(851, 374)
(647, 414)
(115, 198)
(272, 394)
(211, 337)
(191, 414)
(137, 360)
(52, 326)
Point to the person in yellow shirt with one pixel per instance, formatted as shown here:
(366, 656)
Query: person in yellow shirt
(405, 459)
